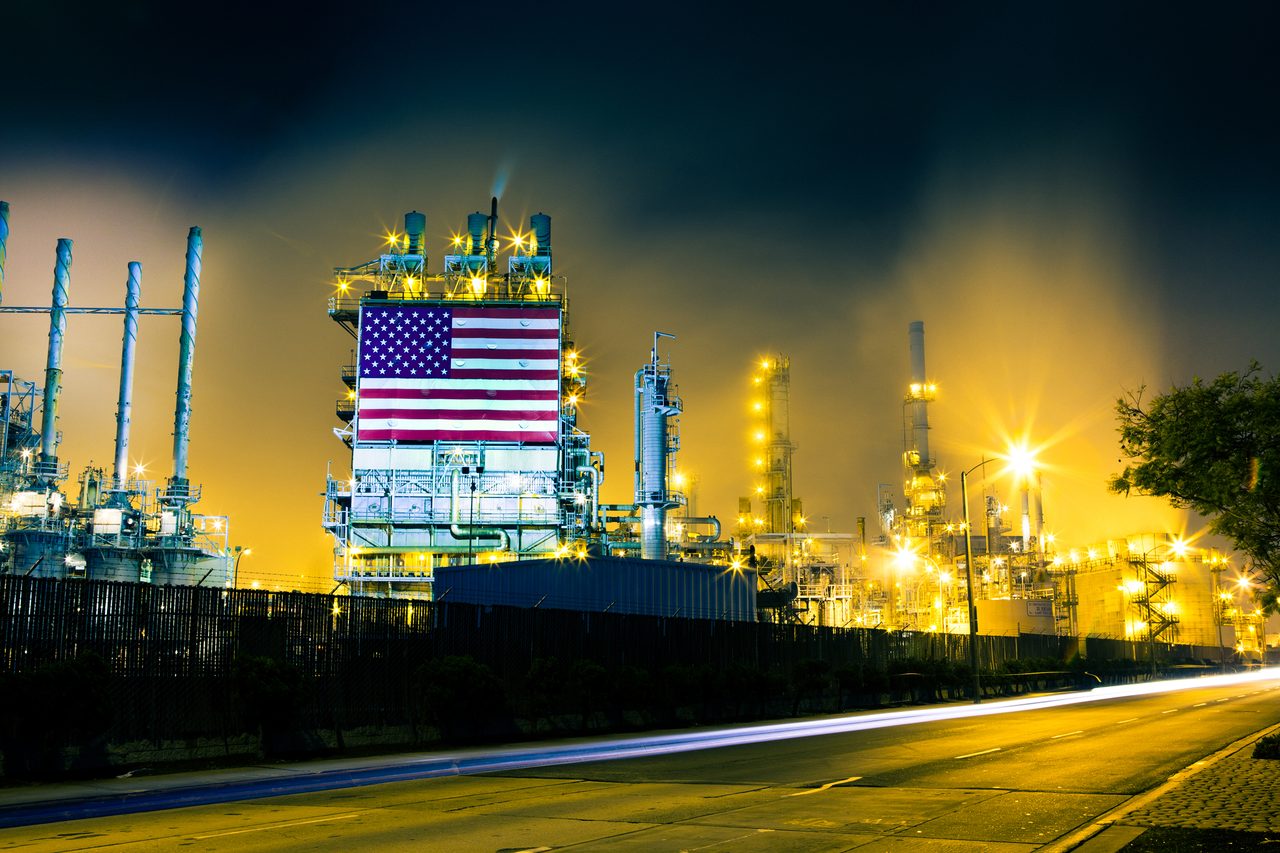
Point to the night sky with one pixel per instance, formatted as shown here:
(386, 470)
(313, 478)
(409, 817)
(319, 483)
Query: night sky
(1077, 199)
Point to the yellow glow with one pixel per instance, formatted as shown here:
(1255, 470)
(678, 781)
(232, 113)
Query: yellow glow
(477, 285)
(759, 436)
(571, 400)
(1180, 547)
(456, 239)
(757, 406)
(137, 469)
(1021, 460)
(764, 363)
(759, 490)
(678, 479)
(351, 395)
(540, 285)
(337, 611)
(410, 281)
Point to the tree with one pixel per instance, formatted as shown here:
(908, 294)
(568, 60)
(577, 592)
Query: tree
(1215, 448)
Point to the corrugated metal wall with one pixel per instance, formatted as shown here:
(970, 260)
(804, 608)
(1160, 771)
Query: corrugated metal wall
(606, 584)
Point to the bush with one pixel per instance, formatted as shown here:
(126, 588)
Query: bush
(463, 698)
(59, 705)
(1267, 747)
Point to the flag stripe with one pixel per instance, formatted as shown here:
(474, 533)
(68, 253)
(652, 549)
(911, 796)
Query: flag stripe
(466, 334)
(368, 393)
(460, 414)
(454, 434)
(476, 406)
(504, 352)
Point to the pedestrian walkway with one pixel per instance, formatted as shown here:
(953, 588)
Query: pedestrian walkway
(1235, 791)
(1229, 790)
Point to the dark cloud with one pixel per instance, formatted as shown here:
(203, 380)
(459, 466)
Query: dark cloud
(1076, 198)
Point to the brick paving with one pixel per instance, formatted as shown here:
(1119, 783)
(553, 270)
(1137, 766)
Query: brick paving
(1238, 792)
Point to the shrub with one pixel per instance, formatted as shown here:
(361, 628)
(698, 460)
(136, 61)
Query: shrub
(1267, 747)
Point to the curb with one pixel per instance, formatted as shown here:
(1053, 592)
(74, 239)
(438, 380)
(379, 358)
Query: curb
(1113, 817)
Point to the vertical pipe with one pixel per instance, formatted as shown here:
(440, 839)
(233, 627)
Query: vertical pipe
(920, 407)
(186, 355)
(132, 299)
(4, 243)
(53, 368)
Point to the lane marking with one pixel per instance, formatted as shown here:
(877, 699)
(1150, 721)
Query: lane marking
(1068, 734)
(277, 826)
(1225, 699)
(1130, 720)
(1170, 711)
(1200, 705)
(984, 752)
(825, 787)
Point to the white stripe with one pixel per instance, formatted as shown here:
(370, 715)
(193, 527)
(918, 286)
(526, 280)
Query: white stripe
(463, 384)
(442, 403)
(452, 425)
(504, 323)
(505, 343)
(505, 364)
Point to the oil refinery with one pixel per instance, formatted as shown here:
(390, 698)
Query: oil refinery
(114, 526)
(472, 478)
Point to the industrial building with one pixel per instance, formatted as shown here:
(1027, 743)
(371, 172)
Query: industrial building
(114, 526)
(461, 414)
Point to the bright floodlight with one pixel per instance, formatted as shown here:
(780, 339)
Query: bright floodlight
(1022, 460)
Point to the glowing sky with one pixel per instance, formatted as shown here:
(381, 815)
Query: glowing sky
(1076, 199)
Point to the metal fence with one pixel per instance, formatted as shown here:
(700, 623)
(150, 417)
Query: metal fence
(172, 652)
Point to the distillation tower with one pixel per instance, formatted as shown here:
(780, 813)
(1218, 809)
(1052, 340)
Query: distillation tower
(111, 530)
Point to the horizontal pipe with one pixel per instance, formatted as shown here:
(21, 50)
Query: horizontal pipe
(23, 309)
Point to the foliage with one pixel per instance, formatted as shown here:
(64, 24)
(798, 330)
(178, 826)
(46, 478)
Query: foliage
(60, 704)
(462, 697)
(1215, 448)
(1267, 747)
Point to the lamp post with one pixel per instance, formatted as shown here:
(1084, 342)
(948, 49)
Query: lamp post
(235, 570)
(968, 577)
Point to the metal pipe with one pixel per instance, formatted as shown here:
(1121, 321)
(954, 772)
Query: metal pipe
(53, 368)
(186, 355)
(4, 243)
(471, 531)
(968, 577)
(132, 296)
(698, 520)
(491, 248)
(415, 224)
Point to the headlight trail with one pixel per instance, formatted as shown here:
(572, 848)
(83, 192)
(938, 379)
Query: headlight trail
(436, 765)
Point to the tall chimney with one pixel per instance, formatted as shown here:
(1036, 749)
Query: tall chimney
(4, 243)
(53, 368)
(920, 405)
(186, 357)
(132, 298)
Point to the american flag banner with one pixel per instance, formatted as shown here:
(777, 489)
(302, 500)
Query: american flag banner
(458, 373)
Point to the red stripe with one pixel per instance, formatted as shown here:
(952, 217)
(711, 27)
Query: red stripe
(516, 373)
(513, 334)
(505, 353)
(460, 414)
(508, 313)
(453, 394)
(456, 435)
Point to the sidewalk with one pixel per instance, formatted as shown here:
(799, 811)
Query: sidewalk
(1229, 790)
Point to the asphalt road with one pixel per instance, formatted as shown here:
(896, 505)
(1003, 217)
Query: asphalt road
(1011, 782)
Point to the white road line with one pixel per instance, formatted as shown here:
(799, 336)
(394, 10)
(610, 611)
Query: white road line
(1200, 705)
(825, 787)
(278, 826)
(1130, 720)
(1170, 711)
(983, 752)
(1068, 734)
(1224, 699)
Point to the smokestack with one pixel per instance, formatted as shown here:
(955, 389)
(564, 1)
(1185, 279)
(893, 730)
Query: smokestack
(415, 224)
(186, 356)
(53, 368)
(492, 245)
(919, 386)
(132, 299)
(540, 225)
(475, 229)
(4, 243)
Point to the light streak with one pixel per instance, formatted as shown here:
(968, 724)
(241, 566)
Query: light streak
(435, 765)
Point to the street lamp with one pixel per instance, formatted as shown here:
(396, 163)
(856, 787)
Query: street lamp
(1023, 461)
(235, 570)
